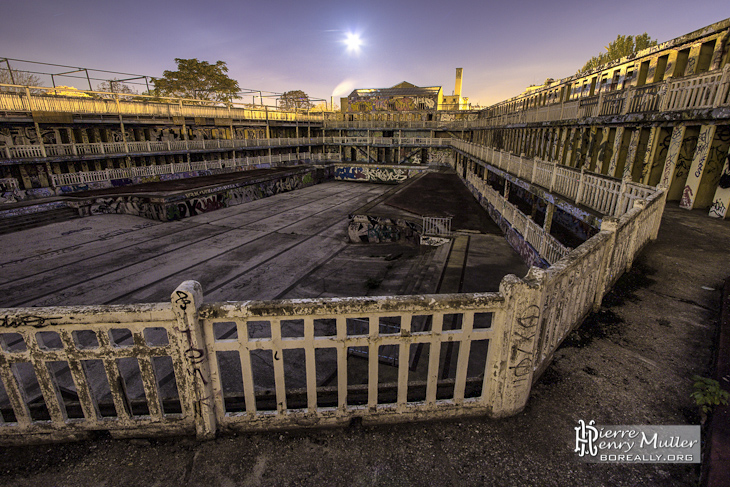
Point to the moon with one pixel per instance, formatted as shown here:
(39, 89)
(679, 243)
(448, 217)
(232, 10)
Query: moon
(353, 42)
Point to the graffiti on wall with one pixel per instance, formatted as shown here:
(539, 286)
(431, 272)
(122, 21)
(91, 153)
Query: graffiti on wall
(373, 229)
(687, 197)
(718, 209)
(127, 205)
(196, 202)
(383, 104)
(672, 152)
(440, 157)
(372, 174)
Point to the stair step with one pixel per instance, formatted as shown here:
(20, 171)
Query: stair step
(33, 220)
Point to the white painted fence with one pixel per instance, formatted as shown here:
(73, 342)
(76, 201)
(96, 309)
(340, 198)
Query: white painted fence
(156, 170)
(103, 148)
(547, 246)
(113, 104)
(604, 194)
(436, 227)
(189, 366)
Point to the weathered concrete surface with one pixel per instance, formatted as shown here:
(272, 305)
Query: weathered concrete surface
(145, 262)
(630, 364)
(442, 195)
(264, 249)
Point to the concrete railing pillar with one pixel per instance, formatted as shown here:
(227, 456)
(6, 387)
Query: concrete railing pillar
(198, 394)
(581, 186)
(633, 244)
(609, 224)
(517, 339)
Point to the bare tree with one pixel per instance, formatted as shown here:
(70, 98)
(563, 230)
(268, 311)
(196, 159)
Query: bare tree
(115, 86)
(22, 78)
(295, 100)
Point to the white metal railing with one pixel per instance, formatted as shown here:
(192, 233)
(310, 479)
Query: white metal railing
(97, 148)
(390, 141)
(604, 194)
(436, 227)
(9, 184)
(547, 246)
(110, 103)
(110, 362)
(189, 366)
(66, 179)
(101, 148)
(706, 90)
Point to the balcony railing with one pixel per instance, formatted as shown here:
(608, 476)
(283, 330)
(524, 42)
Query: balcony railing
(239, 163)
(604, 194)
(111, 148)
(112, 104)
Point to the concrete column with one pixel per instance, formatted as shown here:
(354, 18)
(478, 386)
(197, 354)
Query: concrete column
(649, 154)
(601, 156)
(561, 145)
(549, 212)
(631, 155)
(24, 177)
(694, 56)
(719, 51)
(617, 141)
(721, 199)
(670, 164)
(589, 162)
(651, 71)
(671, 64)
(555, 144)
(697, 169)
(581, 155)
(571, 143)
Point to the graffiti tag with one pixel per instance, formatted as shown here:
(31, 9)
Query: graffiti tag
(30, 320)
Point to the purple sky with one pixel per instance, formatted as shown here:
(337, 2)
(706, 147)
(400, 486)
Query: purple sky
(503, 46)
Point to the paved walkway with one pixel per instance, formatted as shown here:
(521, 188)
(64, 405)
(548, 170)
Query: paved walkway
(631, 363)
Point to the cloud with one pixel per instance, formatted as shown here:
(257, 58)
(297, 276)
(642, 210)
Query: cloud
(344, 88)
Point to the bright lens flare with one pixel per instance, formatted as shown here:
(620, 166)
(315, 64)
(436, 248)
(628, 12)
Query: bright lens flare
(353, 43)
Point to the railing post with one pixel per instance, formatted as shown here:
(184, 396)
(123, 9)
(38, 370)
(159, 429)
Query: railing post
(632, 246)
(581, 184)
(186, 302)
(516, 342)
(621, 198)
(553, 176)
(600, 104)
(722, 87)
(534, 169)
(608, 224)
(629, 97)
(664, 100)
